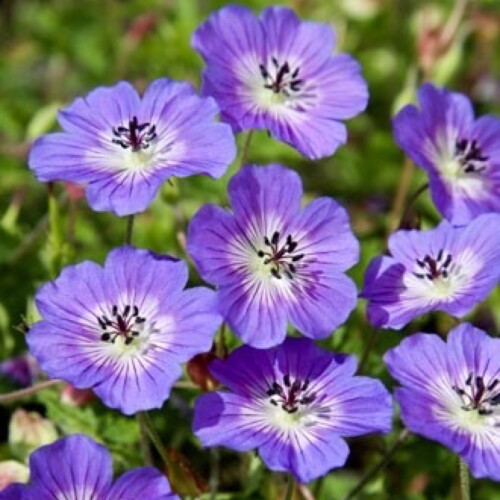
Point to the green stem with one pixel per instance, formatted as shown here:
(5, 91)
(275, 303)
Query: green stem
(214, 472)
(246, 148)
(290, 488)
(370, 344)
(29, 241)
(318, 486)
(378, 467)
(56, 237)
(400, 195)
(144, 442)
(130, 229)
(464, 480)
(221, 348)
(145, 420)
(409, 204)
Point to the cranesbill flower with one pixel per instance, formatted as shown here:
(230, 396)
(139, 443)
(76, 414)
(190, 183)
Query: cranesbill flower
(450, 392)
(460, 154)
(77, 468)
(273, 262)
(278, 73)
(446, 269)
(124, 329)
(124, 147)
(295, 403)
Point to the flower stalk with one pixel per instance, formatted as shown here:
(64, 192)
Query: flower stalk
(464, 480)
(29, 391)
(130, 229)
(290, 487)
(146, 423)
(56, 233)
(246, 148)
(379, 466)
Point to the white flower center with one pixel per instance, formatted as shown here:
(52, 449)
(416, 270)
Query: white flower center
(478, 404)
(440, 277)
(460, 159)
(125, 332)
(293, 404)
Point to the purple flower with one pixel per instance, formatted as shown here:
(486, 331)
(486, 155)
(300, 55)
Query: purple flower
(21, 369)
(446, 269)
(460, 154)
(273, 262)
(75, 468)
(278, 73)
(295, 403)
(123, 148)
(124, 329)
(451, 393)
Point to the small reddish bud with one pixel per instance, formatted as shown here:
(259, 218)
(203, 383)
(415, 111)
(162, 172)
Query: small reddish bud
(75, 191)
(76, 397)
(142, 25)
(197, 369)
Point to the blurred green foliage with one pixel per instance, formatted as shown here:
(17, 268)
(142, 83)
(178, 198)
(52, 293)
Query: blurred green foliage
(55, 50)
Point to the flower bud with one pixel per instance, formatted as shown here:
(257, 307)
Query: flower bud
(197, 369)
(28, 431)
(76, 397)
(12, 472)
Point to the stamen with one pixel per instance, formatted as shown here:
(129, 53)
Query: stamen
(281, 79)
(291, 396)
(282, 259)
(125, 325)
(470, 157)
(136, 136)
(478, 395)
(434, 268)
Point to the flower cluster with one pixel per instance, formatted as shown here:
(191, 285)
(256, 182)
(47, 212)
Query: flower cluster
(449, 390)
(125, 328)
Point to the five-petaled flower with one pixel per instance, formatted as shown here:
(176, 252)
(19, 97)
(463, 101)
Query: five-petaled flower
(295, 403)
(123, 330)
(448, 269)
(78, 468)
(460, 154)
(273, 261)
(450, 392)
(278, 73)
(123, 147)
